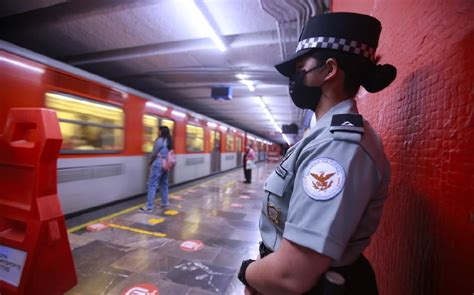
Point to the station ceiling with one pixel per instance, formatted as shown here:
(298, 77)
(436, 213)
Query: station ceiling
(164, 48)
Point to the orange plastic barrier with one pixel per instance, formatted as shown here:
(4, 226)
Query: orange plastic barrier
(35, 257)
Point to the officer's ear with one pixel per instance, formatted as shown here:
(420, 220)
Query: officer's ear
(332, 69)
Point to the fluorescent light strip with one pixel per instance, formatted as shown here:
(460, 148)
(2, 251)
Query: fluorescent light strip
(23, 65)
(249, 85)
(268, 113)
(285, 138)
(212, 125)
(210, 30)
(156, 106)
(223, 128)
(178, 114)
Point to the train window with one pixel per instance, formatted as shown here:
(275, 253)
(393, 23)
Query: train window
(229, 143)
(87, 126)
(150, 124)
(194, 138)
(168, 123)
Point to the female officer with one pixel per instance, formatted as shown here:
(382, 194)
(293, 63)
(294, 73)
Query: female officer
(324, 200)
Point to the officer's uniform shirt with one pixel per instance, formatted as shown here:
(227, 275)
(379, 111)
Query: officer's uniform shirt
(327, 193)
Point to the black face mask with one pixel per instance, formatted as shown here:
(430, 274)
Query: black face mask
(303, 96)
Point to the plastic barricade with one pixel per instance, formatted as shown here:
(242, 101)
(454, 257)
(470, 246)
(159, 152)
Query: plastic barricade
(35, 257)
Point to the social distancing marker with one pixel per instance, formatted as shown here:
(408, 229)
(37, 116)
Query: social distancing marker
(191, 245)
(236, 205)
(138, 231)
(97, 226)
(141, 289)
(154, 221)
(136, 207)
(245, 197)
(171, 212)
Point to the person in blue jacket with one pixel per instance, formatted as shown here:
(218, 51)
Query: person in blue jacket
(158, 177)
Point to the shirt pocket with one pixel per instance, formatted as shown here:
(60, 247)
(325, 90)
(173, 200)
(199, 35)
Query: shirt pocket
(278, 198)
(276, 184)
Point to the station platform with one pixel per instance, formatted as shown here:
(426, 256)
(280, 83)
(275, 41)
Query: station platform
(195, 246)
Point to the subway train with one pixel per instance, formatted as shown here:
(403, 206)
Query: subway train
(108, 130)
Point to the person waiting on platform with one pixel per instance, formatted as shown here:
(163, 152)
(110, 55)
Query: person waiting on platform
(249, 163)
(158, 177)
(324, 200)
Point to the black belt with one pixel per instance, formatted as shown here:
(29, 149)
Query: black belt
(359, 278)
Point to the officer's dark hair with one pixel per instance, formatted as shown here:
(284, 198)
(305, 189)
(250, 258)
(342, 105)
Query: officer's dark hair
(358, 70)
(166, 134)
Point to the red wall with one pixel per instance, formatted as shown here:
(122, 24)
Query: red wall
(425, 242)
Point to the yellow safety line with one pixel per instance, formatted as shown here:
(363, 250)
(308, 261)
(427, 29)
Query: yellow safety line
(79, 227)
(136, 230)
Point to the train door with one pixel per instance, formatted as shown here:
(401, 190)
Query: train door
(238, 146)
(151, 124)
(215, 151)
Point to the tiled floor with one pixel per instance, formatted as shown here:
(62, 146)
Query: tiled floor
(138, 252)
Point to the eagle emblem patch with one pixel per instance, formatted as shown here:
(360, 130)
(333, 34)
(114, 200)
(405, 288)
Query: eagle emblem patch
(323, 179)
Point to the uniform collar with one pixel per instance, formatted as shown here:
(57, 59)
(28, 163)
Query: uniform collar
(344, 107)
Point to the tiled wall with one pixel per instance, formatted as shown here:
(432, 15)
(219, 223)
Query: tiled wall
(425, 242)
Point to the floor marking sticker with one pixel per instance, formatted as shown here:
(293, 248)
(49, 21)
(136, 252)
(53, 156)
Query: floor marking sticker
(191, 245)
(154, 221)
(171, 212)
(138, 231)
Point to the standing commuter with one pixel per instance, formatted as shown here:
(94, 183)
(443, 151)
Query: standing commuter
(249, 163)
(158, 177)
(324, 200)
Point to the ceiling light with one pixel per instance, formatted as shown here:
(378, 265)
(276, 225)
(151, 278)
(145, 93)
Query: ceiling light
(249, 84)
(178, 114)
(156, 106)
(260, 102)
(210, 30)
(285, 138)
(223, 128)
(241, 76)
(212, 125)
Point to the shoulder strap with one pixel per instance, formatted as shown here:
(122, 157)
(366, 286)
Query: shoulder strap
(347, 127)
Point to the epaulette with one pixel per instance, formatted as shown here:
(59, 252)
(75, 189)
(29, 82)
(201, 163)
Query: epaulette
(349, 127)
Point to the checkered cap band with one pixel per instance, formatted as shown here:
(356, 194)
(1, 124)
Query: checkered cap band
(338, 44)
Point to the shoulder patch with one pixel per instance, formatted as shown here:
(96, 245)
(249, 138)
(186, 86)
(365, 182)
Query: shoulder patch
(347, 123)
(323, 179)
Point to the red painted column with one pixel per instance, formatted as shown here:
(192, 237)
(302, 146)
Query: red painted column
(425, 242)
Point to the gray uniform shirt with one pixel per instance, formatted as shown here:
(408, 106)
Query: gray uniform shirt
(328, 191)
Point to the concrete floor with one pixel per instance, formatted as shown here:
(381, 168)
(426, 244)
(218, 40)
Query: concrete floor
(195, 246)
